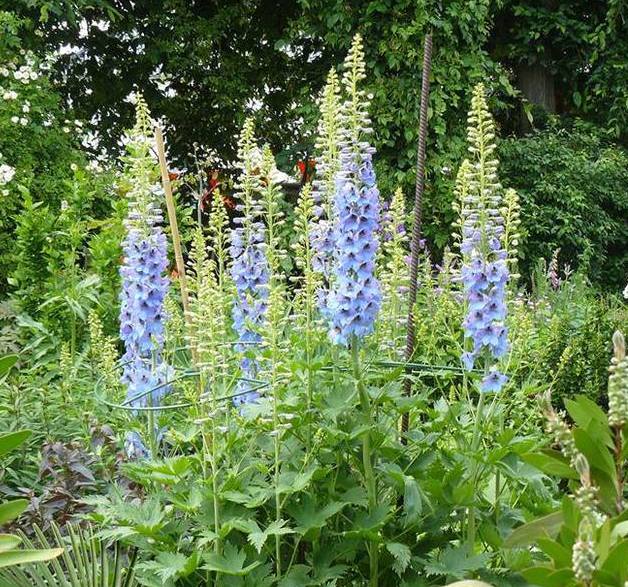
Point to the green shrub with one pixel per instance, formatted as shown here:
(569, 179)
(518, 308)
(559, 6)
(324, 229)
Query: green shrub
(573, 185)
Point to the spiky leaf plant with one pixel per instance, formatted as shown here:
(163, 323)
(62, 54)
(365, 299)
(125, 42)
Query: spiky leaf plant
(86, 561)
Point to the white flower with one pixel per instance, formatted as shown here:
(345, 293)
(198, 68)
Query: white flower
(64, 205)
(10, 95)
(73, 166)
(4, 72)
(78, 123)
(626, 292)
(66, 129)
(6, 173)
(15, 119)
(26, 108)
(23, 121)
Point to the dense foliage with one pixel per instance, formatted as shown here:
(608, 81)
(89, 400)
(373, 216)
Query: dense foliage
(572, 185)
(234, 413)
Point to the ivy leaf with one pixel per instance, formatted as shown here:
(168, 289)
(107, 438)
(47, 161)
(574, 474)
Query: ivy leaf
(258, 537)
(231, 562)
(402, 555)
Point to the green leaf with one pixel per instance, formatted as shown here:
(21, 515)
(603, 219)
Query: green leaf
(20, 557)
(8, 542)
(551, 462)
(310, 515)
(12, 509)
(455, 562)
(12, 440)
(615, 563)
(557, 552)
(169, 566)
(6, 362)
(297, 577)
(598, 456)
(292, 482)
(412, 502)
(583, 411)
(547, 577)
(231, 562)
(258, 538)
(529, 533)
(402, 555)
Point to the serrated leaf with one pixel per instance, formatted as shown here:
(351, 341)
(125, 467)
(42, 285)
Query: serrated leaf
(402, 555)
(258, 537)
(455, 562)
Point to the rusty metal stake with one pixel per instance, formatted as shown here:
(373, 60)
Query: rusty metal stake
(416, 226)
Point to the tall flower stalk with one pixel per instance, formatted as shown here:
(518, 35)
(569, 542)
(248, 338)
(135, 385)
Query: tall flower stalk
(144, 285)
(324, 184)
(307, 284)
(270, 199)
(393, 272)
(355, 297)
(249, 270)
(484, 272)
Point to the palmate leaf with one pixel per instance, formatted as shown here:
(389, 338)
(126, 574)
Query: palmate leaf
(231, 562)
(455, 562)
(169, 566)
(259, 537)
(309, 515)
(293, 482)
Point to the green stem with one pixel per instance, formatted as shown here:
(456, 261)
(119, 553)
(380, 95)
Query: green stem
(475, 443)
(367, 458)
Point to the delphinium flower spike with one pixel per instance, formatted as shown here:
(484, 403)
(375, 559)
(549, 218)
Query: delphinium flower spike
(324, 184)
(144, 285)
(249, 270)
(484, 271)
(354, 300)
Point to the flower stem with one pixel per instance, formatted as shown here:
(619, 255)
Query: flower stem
(475, 443)
(367, 458)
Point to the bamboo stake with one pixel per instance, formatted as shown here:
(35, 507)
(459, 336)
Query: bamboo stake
(174, 227)
(416, 228)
